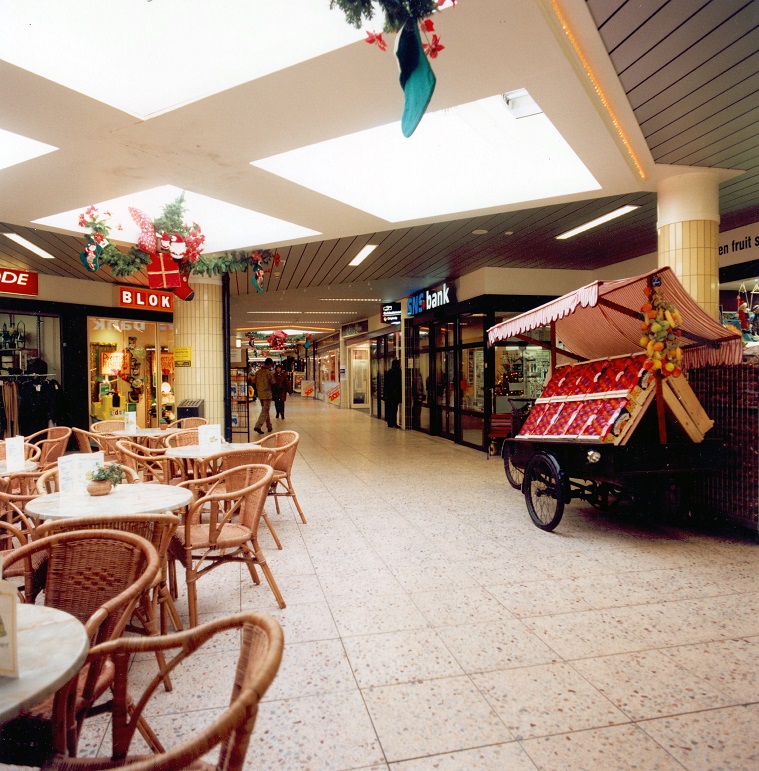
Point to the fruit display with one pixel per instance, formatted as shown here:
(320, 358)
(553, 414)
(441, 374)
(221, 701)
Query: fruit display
(661, 334)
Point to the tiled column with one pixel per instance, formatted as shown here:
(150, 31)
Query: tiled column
(688, 228)
(198, 325)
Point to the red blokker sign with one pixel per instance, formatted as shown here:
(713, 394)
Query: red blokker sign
(19, 282)
(150, 299)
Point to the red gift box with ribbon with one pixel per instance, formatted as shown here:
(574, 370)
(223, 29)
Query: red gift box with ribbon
(163, 272)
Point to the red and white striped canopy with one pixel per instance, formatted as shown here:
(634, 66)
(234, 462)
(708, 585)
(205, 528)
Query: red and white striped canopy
(594, 321)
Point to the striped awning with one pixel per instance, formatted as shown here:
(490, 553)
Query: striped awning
(601, 319)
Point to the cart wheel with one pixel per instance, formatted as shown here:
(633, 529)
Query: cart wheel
(513, 474)
(544, 491)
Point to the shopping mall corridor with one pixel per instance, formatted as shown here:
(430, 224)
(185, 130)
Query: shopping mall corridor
(429, 624)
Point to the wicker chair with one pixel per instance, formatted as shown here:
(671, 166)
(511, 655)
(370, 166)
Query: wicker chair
(156, 528)
(17, 488)
(106, 426)
(181, 438)
(287, 444)
(104, 442)
(47, 481)
(188, 423)
(150, 463)
(31, 451)
(261, 648)
(98, 576)
(52, 443)
(230, 533)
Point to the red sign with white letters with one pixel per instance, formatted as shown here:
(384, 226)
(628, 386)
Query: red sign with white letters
(19, 282)
(149, 299)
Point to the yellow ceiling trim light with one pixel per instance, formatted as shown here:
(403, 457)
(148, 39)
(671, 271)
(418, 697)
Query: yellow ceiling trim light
(562, 19)
(307, 327)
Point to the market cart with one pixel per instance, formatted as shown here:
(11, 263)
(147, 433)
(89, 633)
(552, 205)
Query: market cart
(616, 420)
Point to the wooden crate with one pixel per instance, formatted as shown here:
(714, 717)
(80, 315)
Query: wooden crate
(686, 408)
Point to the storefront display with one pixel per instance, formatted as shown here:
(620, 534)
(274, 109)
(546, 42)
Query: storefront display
(131, 370)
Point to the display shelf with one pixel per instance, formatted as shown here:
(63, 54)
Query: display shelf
(239, 402)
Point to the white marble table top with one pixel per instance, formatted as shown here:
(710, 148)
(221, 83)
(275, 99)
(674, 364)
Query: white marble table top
(137, 498)
(29, 465)
(52, 646)
(137, 433)
(198, 452)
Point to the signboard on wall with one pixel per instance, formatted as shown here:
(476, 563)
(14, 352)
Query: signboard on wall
(149, 299)
(355, 328)
(183, 356)
(391, 313)
(307, 388)
(429, 299)
(333, 394)
(111, 362)
(19, 282)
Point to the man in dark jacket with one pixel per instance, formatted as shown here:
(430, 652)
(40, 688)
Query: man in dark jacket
(393, 391)
(264, 378)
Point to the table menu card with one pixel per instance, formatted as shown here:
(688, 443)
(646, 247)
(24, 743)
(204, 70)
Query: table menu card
(73, 470)
(8, 629)
(209, 435)
(130, 421)
(14, 453)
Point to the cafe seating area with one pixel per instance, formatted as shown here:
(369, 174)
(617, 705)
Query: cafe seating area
(429, 624)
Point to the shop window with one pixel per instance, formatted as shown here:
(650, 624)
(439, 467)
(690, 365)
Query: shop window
(472, 380)
(472, 328)
(444, 335)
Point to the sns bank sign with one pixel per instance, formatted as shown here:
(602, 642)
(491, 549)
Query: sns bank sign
(429, 299)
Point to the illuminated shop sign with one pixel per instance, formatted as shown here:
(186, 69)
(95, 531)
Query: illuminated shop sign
(18, 282)
(391, 313)
(356, 328)
(428, 299)
(134, 297)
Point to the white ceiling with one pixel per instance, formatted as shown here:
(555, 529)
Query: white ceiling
(206, 144)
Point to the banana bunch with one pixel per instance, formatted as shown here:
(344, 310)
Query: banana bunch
(661, 334)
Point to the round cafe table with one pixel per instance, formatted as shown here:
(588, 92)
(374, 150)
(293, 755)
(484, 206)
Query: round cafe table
(192, 453)
(29, 465)
(141, 497)
(52, 646)
(144, 436)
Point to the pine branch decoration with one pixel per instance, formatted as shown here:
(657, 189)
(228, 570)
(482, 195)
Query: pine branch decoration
(397, 12)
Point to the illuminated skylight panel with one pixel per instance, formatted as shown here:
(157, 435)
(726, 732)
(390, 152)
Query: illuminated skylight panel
(15, 148)
(612, 215)
(147, 58)
(226, 226)
(473, 156)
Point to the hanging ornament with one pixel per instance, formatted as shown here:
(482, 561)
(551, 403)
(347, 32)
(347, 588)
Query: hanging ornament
(146, 240)
(90, 257)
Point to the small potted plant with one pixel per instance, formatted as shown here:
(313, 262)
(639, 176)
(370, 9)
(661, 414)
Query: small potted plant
(103, 478)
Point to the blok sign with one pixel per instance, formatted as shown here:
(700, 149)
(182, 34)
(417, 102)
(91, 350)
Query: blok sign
(429, 299)
(149, 299)
(19, 282)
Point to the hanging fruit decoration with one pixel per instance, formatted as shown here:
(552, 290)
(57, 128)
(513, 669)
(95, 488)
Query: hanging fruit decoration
(661, 333)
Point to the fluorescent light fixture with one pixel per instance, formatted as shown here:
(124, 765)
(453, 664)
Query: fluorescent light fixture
(15, 148)
(363, 254)
(473, 156)
(598, 221)
(351, 299)
(21, 241)
(225, 225)
(302, 313)
(152, 37)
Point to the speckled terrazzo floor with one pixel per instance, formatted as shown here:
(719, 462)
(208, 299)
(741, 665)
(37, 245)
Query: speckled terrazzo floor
(429, 624)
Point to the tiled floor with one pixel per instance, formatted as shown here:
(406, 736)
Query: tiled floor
(429, 624)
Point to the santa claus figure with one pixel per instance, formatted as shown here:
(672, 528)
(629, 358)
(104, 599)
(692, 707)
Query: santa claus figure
(177, 246)
(178, 249)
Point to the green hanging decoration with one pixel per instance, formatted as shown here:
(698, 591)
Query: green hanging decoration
(397, 12)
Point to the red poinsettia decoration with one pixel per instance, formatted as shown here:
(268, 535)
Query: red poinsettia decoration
(375, 38)
(433, 48)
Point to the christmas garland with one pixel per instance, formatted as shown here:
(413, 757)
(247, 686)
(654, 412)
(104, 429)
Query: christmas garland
(661, 333)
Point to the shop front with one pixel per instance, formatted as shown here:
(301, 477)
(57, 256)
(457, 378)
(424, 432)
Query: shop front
(455, 382)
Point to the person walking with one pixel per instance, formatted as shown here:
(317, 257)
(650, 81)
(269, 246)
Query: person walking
(281, 388)
(393, 391)
(264, 379)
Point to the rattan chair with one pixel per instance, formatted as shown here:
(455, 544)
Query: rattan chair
(156, 528)
(98, 576)
(104, 442)
(52, 443)
(261, 647)
(150, 463)
(106, 426)
(188, 423)
(181, 438)
(47, 481)
(286, 442)
(220, 527)
(31, 451)
(17, 488)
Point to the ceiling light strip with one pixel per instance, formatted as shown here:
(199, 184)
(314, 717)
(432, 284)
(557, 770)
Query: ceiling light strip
(21, 241)
(598, 221)
(362, 255)
(597, 87)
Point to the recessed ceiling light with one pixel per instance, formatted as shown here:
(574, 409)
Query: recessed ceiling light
(468, 145)
(363, 254)
(225, 225)
(15, 148)
(479, 232)
(508, 232)
(598, 221)
(29, 245)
